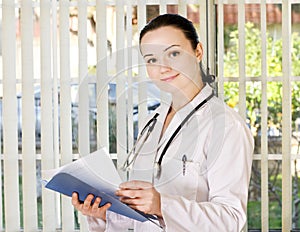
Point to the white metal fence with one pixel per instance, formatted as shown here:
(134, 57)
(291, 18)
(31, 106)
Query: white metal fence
(57, 59)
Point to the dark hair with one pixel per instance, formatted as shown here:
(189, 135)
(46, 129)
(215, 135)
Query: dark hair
(188, 29)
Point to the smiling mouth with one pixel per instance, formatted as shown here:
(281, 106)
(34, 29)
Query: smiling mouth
(167, 79)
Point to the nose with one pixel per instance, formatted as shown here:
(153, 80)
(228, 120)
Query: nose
(165, 66)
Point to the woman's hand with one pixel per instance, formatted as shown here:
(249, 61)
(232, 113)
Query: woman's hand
(140, 195)
(89, 209)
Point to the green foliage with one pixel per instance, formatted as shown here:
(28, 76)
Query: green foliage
(253, 62)
(254, 215)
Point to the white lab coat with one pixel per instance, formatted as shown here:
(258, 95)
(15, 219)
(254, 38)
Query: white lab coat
(211, 193)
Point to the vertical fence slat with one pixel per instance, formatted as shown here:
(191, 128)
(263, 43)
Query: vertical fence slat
(120, 80)
(1, 162)
(142, 87)
(242, 62)
(28, 120)
(211, 41)
(182, 7)
(83, 88)
(162, 7)
(67, 217)
(55, 81)
(54, 26)
(1, 152)
(286, 118)
(221, 50)
(202, 30)
(163, 10)
(129, 51)
(83, 111)
(102, 80)
(264, 122)
(10, 140)
(48, 161)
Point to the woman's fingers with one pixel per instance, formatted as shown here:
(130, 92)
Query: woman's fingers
(96, 204)
(133, 189)
(106, 206)
(136, 184)
(88, 202)
(90, 208)
(75, 200)
(140, 195)
(128, 193)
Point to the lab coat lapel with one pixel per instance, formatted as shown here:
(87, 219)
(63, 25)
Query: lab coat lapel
(175, 122)
(180, 116)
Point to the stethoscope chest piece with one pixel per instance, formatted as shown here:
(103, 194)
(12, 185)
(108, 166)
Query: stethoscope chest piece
(156, 171)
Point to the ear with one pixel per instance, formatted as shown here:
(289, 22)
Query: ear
(199, 51)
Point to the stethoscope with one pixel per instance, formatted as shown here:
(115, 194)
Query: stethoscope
(148, 128)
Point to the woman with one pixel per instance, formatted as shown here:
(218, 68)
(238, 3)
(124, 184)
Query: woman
(193, 170)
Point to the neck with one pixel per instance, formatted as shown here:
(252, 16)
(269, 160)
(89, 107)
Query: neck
(181, 98)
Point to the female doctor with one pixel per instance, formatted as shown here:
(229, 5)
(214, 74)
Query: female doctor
(191, 165)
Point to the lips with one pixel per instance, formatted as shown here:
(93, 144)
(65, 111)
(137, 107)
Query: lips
(170, 78)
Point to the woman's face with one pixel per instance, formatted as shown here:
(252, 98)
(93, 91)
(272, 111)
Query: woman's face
(172, 63)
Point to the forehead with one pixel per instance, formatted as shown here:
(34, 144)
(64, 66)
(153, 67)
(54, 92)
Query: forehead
(164, 36)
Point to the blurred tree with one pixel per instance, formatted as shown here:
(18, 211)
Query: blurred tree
(253, 101)
(253, 69)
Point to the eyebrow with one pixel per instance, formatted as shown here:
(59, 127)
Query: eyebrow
(173, 45)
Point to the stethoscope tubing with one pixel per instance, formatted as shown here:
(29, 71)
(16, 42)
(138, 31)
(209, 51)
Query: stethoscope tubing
(150, 125)
(181, 125)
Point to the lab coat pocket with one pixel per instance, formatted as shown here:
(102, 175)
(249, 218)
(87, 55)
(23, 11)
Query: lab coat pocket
(180, 177)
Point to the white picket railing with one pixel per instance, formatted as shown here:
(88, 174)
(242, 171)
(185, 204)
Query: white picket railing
(52, 68)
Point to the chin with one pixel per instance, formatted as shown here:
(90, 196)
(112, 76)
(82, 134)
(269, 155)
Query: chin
(167, 87)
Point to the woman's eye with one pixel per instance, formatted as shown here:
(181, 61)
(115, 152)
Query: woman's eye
(151, 61)
(174, 54)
